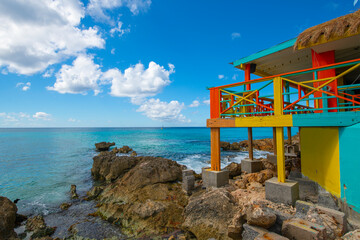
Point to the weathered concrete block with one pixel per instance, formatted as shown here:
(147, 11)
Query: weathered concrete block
(251, 232)
(287, 192)
(251, 166)
(299, 229)
(188, 183)
(337, 215)
(187, 172)
(327, 200)
(307, 188)
(270, 235)
(303, 207)
(272, 158)
(215, 178)
(280, 218)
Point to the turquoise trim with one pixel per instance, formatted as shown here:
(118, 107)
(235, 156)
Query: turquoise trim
(350, 165)
(331, 119)
(265, 52)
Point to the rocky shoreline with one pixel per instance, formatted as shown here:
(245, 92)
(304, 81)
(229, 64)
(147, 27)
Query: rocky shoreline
(141, 197)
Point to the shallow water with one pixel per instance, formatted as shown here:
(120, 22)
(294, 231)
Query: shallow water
(39, 165)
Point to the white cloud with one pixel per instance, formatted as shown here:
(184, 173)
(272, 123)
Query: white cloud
(137, 82)
(13, 117)
(235, 35)
(163, 111)
(73, 120)
(207, 102)
(220, 76)
(48, 73)
(24, 86)
(82, 76)
(98, 9)
(42, 116)
(113, 51)
(195, 103)
(119, 30)
(234, 77)
(37, 33)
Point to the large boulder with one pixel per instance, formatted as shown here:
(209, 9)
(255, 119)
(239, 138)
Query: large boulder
(234, 169)
(103, 146)
(212, 214)
(258, 216)
(225, 146)
(147, 201)
(108, 167)
(8, 211)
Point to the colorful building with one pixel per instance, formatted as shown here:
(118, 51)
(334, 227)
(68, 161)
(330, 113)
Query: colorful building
(311, 82)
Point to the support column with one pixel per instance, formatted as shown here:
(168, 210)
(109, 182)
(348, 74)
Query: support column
(215, 149)
(280, 154)
(250, 144)
(274, 140)
(289, 135)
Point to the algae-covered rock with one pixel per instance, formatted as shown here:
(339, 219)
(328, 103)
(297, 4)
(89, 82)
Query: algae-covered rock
(8, 211)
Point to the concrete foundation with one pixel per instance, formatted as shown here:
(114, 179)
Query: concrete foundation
(215, 178)
(188, 180)
(272, 158)
(251, 166)
(278, 192)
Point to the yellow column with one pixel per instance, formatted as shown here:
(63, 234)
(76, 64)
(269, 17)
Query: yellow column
(278, 110)
(215, 149)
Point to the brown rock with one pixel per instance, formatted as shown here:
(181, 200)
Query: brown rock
(35, 223)
(125, 149)
(65, 206)
(225, 146)
(103, 146)
(262, 217)
(73, 194)
(210, 214)
(234, 169)
(8, 211)
(133, 154)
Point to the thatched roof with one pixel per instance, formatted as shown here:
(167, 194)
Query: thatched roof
(335, 29)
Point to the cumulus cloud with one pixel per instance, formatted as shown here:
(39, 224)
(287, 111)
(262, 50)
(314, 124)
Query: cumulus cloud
(42, 116)
(195, 103)
(234, 77)
(207, 102)
(99, 9)
(113, 51)
(137, 82)
(119, 30)
(220, 76)
(235, 35)
(23, 86)
(37, 33)
(73, 120)
(82, 76)
(163, 111)
(48, 73)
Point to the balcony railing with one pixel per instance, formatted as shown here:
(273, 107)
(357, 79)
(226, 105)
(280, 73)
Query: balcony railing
(294, 97)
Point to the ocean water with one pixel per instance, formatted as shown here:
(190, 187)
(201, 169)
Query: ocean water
(39, 165)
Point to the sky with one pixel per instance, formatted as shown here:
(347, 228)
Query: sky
(135, 63)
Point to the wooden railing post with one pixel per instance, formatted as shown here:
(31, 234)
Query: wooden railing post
(250, 144)
(214, 103)
(278, 111)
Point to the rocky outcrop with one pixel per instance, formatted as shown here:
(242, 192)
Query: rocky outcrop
(259, 144)
(258, 216)
(8, 211)
(147, 200)
(108, 167)
(103, 146)
(38, 227)
(73, 193)
(259, 177)
(212, 215)
(234, 169)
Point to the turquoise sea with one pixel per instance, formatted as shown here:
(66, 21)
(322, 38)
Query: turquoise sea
(38, 165)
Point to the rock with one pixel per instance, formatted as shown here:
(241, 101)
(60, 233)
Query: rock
(44, 232)
(133, 154)
(8, 211)
(73, 194)
(20, 219)
(94, 192)
(210, 214)
(225, 146)
(236, 146)
(103, 146)
(258, 216)
(125, 149)
(354, 235)
(152, 170)
(34, 224)
(147, 200)
(108, 167)
(234, 169)
(65, 206)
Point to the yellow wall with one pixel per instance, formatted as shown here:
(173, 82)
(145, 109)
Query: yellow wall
(320, 156)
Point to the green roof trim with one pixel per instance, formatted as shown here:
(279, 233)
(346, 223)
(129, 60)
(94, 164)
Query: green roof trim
(265, 52)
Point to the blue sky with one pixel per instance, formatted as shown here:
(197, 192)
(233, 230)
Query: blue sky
(134, 63)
